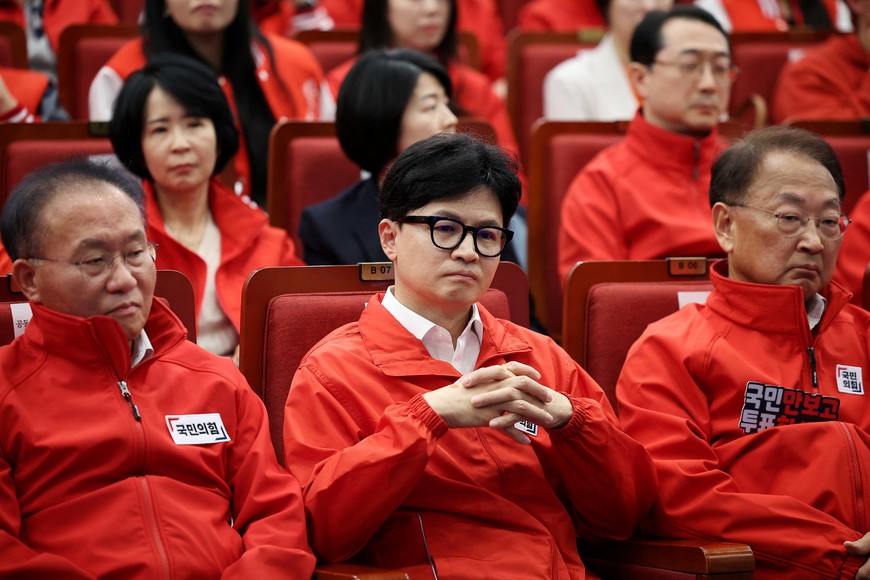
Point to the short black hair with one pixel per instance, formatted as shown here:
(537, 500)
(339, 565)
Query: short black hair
(375, 31)
(372, 100)
(189, 82)
(449, 165)
(647, 41)
(21, 225)
(737, 168)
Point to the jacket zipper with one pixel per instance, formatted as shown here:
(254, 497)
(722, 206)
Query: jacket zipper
(495, 458)
(860, 510)
(125, 392)
(149, 511)
(814, 376)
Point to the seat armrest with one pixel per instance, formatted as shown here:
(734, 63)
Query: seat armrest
(690, 556)
(355, 572)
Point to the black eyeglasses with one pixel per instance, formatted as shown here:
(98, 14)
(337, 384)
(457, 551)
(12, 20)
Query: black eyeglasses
(448, 233)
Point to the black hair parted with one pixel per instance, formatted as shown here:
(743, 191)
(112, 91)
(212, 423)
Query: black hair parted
(449, 165)
(647, 41)
(372, 101)
(189, 82)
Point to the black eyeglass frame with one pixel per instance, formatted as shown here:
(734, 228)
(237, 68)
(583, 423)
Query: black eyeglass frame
(431, 220)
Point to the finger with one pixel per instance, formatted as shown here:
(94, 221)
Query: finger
(863, 572)
(524, 411)
(859, 547)
(516, 435)
(514, 388)
(485, 375)
(519, 368)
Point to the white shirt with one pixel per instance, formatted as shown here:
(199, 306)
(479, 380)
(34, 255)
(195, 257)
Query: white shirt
(815, 309)
(141, 349)
(436, 339)
(591, 86)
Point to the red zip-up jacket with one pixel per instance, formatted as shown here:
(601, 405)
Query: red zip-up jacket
(758, 426)
(644, 197)
(248, 243)
(87, 490)
(386, 480)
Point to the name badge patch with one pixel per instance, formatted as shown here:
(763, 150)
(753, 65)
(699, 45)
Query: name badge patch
(849, 380)
(527, 427)
(199, 429)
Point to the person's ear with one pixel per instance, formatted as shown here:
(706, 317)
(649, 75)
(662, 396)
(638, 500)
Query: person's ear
(639, 76)
(24, 275)
(724, 225)
(388, 232)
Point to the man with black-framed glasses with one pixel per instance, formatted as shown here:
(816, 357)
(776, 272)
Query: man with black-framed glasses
(753, 405)
(125, 450)
(459, 444)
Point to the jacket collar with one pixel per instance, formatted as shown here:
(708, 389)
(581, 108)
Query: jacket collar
(100, 339)
(769, 308)
(397, 353)
(239, 223)
(672, 149)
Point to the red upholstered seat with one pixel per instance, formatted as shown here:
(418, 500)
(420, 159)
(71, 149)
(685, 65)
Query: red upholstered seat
(83, 50)
(560, 150)
(531, 55)
(27, 146)
(608, 305)
(13, 46)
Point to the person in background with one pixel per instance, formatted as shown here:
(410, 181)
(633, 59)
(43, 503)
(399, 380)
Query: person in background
(172, 127)
(831, 81)
(44, 20)
(753, 405)
(276, 79)
(27, 96)
(778, 16)
(478, 17)
(462, 445)
(429, 26)
(646, 196)
(126, 451)
(595, 84)
(389, 100)
(286, 17)
(855, 252)
(560, 15)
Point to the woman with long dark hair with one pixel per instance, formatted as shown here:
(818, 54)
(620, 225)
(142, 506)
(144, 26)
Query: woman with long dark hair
(275, 79)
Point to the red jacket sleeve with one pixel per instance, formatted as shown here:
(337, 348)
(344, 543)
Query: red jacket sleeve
(266, 502)
(662, 406)
(323, 449)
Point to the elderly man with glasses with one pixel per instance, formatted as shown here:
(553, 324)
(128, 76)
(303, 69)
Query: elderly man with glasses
(433, 436)
(753, 406)
(126, 451)
(646, 196)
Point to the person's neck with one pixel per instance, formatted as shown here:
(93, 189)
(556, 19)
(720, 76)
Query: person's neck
(210, 47)
(185, 214)
(452, 322)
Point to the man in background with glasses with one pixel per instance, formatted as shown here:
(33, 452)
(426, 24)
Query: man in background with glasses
(646, 196)
(125, 449)
(430, 435)
(754, 405)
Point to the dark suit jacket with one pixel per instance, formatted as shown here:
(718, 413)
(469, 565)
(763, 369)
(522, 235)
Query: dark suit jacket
(344, 229)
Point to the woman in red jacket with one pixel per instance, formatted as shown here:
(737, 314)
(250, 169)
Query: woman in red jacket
(265, 78)
(430, 27)
(172, 126)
